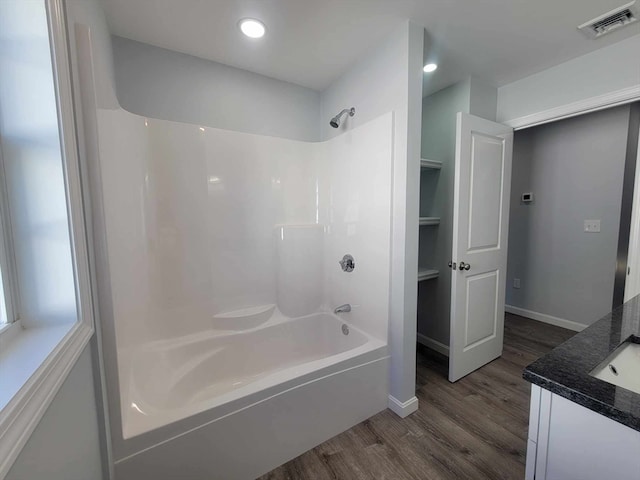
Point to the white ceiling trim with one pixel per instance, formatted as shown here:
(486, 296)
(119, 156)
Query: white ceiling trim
(588, 105)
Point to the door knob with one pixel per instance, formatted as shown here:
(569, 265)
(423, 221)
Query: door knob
(452, 264)
(464, 266)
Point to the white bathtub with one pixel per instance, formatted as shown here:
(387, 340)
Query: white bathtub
(174, 379)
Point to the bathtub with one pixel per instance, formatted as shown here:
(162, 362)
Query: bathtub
(217, 375)
(173, 379)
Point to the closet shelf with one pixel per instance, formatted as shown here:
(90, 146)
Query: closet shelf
(432, 164)
(429, 221)
(427, 274)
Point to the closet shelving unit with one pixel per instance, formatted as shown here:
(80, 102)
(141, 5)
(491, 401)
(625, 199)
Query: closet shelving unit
(425, 221)
(427, 274)
(428, 165)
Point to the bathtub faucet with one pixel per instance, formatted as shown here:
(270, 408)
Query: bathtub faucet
(343, 308)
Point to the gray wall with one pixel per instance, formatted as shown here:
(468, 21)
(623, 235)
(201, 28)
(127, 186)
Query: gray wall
(164, 84)
(575, 170)
(608, 69)
(65, 444)
(483, 99)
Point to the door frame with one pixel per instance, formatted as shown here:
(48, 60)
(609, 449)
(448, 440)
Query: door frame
(611, 99)
(588, 105)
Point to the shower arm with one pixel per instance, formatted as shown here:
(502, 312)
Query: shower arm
(351, 111)
(335, 121)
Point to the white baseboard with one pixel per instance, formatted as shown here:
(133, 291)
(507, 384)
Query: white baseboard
(433, 344)
(403, 409)
(541, 317)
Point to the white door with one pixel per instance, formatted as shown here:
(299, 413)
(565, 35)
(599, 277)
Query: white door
(480, 229)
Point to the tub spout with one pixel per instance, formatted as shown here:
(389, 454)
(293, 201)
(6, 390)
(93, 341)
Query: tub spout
(342, 308)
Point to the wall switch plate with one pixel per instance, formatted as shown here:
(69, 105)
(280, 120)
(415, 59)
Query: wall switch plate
(527, 197)
(592, 226)
(516, 283)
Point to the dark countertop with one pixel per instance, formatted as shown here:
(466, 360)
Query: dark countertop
(565, 370)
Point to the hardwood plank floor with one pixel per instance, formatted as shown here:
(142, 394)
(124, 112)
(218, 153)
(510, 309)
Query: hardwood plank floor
(475, 428)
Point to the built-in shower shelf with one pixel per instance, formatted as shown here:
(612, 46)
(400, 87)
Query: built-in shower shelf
(427, 274)
(429, 221)
(432, 164)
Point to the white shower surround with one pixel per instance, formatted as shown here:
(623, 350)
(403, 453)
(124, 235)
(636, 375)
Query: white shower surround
(191, 215)
(207, 230)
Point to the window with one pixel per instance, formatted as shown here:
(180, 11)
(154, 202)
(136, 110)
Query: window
(5, 316)
(3, 304)
(46, 315)
(35, 200)
(7, 284)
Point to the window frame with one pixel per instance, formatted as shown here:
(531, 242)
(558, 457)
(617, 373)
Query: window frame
(7, 258)
(21, 415)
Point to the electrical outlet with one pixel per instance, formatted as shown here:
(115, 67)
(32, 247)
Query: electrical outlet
(592, 226)
(516, 283)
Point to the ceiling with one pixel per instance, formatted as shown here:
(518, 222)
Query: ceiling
(313, 42)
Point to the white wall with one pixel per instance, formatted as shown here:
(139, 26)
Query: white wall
(90, 14)
(65, 445)
(575, 170)
(163, 84)
(483, 99)
(87, 16)
(602, 71)
(389, 78)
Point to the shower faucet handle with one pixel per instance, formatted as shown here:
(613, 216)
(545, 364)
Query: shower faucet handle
(347, 263)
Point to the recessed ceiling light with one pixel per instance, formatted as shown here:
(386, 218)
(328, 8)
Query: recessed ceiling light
(430, 67)
(252, 28)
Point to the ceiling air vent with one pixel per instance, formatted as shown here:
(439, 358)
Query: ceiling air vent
(610, 21)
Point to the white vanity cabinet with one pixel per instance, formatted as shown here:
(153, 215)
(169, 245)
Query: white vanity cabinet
(570, 442)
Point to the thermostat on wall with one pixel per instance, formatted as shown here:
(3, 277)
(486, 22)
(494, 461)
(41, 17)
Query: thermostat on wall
(527, 197)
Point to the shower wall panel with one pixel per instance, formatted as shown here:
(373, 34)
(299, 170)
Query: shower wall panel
(194, 223)
(355, 207)
(300, 268)
(190, 215)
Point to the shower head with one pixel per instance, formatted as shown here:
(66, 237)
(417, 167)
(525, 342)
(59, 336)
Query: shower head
(335, 121)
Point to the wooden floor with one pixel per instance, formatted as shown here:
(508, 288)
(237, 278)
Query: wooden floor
(475, 428)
